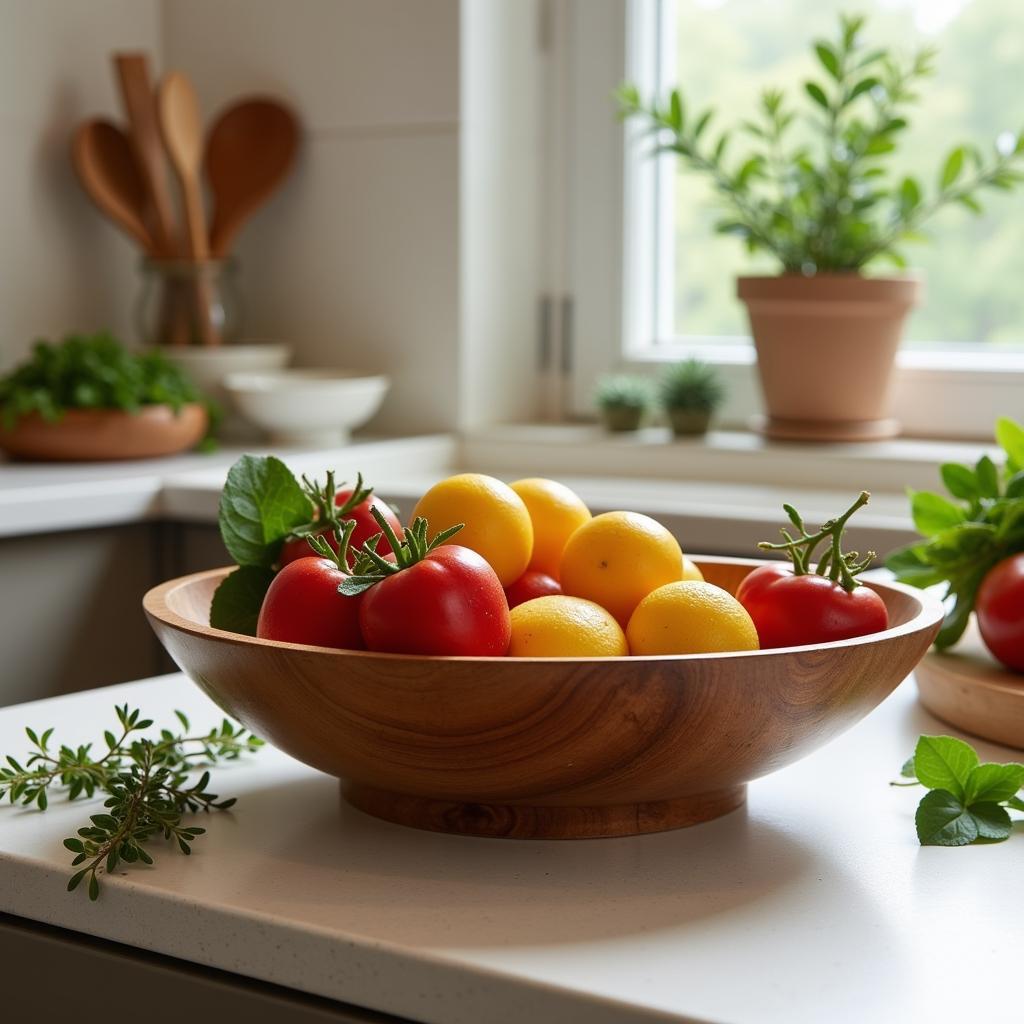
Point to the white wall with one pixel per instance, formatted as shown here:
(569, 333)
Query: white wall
(502, 209)
(62, 266)
(408, 239)
(356, 262)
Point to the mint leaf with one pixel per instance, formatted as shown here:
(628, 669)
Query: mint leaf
(991, 820)
(237, 601)
(944, 763)
(993, 783)
(260, 504)
(942, 820)
(932, 513)
(907, 771)
(1016, 803)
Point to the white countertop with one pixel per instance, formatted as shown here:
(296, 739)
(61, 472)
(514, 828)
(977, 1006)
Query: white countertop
(813, 904)
(722, 496)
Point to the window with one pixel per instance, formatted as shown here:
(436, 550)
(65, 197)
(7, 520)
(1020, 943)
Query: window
(671, 290)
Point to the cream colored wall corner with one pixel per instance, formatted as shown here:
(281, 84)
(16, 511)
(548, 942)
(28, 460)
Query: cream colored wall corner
(62, 267)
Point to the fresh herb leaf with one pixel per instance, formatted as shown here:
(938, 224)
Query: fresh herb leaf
(942, 820)
(260, 504)
(237, 601)
(967, 802)
(1010, 437)
(932, 513)
(960, 480)
(147, 783)
(942, 762)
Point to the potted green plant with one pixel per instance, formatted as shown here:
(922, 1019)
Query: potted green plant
(624, 402)
(825, 203)
(89, 398)
(691, 391)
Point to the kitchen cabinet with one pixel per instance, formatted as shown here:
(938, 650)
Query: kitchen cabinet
(812, 903)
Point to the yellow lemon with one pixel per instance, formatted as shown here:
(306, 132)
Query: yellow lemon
(690, 617)
(497, 524)
(565, 627)
(617, 558)
(556, 513)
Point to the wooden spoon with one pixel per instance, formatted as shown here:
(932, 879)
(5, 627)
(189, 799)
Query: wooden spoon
(250, 150)
(137, 93)
(103, 159)
(181, 126)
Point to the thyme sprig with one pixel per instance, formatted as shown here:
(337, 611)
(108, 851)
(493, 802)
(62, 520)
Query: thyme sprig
(148, 782)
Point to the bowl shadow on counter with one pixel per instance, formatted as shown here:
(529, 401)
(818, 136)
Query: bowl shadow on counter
(456, 891)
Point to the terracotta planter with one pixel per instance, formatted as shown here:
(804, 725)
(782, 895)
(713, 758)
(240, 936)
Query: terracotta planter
(826, 346)
(689, 422)
(92, 435)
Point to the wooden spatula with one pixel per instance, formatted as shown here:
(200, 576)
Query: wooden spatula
(249, 152)
(181, 127)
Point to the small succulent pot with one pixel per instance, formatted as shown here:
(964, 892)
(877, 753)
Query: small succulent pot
(624, 402)
(622, 418)
(689, 422)
(691, 391)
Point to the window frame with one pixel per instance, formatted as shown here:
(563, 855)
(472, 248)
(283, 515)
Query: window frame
(611, 192)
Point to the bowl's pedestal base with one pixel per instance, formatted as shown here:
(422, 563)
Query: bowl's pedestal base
(531, 821)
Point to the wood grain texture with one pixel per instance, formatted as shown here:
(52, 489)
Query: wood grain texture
(544, 747)
(969, 689)
(98, 435)
(249, 152)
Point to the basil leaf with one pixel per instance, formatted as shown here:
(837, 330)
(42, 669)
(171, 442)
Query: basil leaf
(960, 480)
(237, 601)
(993, 783)
(945, 763)
(260, 504)
(942, 820)
(988, 477)
(932, 513)
(907, 771)
(1016, 803)
(1015, 485)
(991, 821)
(1010, 436)
(911, 566)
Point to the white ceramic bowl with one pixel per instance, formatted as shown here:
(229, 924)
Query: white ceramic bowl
(316, 408)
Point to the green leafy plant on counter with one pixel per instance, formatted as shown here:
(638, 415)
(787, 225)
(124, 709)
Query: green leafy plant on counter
(692, 385)
(966, 534)
(968, 802)
(831, 205)
(93, 372)
(149, 785)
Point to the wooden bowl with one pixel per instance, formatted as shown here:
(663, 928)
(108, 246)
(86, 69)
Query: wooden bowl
(544, 748)
(93, 435)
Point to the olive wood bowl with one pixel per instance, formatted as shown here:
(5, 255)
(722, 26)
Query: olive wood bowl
(539, 747)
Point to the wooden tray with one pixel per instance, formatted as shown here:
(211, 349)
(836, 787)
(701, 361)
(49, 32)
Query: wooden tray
(968, 688)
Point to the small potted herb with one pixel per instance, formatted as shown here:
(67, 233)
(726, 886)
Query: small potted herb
(817, 192)
(89, 398)
(691, 391)
(624, 402)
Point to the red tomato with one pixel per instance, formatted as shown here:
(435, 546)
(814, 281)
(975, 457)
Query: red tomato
(792, 611)
(763, 576)
(450, 603)
(530, 585)
(1000, 611)
(303, 606)
(366, 527)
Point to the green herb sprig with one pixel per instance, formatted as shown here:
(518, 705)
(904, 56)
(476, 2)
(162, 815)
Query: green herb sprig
(968, 802)
(92, 372)
(148, 782)
(965, 535)
(833, 206)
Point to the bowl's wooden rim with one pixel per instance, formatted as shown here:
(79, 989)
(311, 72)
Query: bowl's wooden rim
(929, 614)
